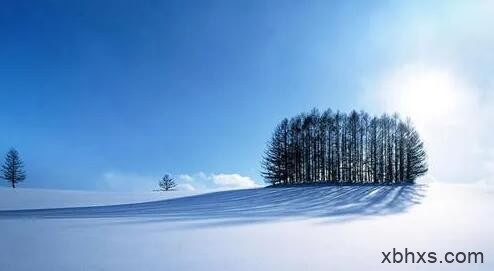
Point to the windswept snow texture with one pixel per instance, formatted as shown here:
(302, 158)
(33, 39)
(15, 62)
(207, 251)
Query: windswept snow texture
(294, 228)
(253, 204)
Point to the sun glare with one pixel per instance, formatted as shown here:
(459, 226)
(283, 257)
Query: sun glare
(426, 95)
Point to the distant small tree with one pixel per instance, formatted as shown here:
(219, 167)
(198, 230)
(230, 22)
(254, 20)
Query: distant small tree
(13, 168)
(167, 183)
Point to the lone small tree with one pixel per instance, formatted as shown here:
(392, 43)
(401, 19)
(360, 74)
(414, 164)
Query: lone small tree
(167, 183)
(13, 168)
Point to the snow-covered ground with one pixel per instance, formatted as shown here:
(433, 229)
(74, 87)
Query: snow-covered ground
(299, 228)
(28, 198)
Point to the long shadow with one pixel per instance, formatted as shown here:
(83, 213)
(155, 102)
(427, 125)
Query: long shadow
(249, 205)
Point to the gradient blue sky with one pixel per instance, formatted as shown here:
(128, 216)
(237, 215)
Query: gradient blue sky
(133, 89)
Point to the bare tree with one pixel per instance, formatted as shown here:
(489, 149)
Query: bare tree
(167, 183)
(416, 164)
(13, 168)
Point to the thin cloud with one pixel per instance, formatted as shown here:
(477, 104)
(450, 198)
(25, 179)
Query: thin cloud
(221, 181)
(233, 181)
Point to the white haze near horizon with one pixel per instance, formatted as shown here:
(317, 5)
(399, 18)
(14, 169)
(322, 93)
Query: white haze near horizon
(442, 61)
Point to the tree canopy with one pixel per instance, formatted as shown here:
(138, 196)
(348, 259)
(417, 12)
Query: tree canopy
(167, 183)
(13, 168)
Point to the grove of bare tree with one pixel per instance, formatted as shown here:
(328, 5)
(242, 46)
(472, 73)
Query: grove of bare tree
(339, 148)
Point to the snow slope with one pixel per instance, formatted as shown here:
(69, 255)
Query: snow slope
(26, 198)
(298, 228)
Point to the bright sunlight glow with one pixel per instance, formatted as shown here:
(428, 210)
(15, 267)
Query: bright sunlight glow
(425, 95)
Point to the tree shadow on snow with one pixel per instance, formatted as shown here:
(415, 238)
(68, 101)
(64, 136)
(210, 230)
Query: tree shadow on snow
(253, 205)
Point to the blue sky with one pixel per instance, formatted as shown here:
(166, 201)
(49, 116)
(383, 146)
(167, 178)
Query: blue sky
(110, 94)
